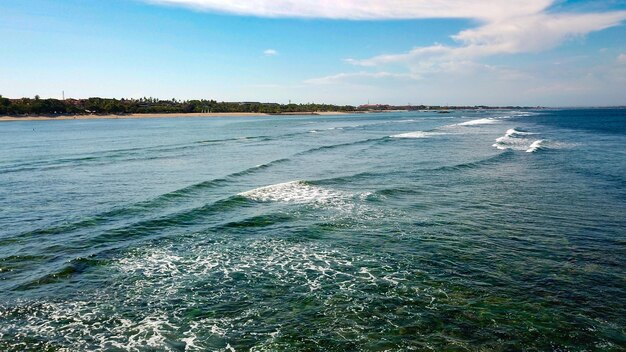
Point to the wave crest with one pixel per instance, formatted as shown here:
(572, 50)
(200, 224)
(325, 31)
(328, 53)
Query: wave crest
(298, 192)
(536, 145)
(417, 134)
(477, 122)
(515, 139)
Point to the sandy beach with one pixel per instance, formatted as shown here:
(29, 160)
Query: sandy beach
(142, 116)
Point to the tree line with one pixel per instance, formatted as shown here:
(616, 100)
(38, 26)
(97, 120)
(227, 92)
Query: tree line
(38, 106)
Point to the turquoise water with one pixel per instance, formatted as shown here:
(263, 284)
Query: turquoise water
(483, 230)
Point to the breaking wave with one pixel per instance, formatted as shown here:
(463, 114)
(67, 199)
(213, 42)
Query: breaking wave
(417, 134)
(512, 132)
(515, 139)
(477, 122)
(496, 119)
(536, 145)
(302, 192)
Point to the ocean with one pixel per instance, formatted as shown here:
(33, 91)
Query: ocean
(475, 230)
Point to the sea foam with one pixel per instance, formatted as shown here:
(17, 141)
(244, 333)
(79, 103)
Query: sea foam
(483, 121)
(518, 140)
(417, 134)
(495, 119)
(536, 145)
(511, 134)
(298, 192)
(342, 203)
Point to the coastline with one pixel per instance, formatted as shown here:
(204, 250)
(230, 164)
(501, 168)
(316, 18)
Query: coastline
(161, 115)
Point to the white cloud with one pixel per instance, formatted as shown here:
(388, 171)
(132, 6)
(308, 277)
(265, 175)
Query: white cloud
(270, 52)
(559, 87)
(529, 33)
(532, 33)
(504, 27)
(420, 52)
(369, 9)
(360, 78)
(501, 27)
(525, 33)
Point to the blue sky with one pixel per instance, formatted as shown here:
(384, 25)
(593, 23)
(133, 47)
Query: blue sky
(518, 52)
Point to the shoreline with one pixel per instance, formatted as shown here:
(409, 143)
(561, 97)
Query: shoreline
(162, 115)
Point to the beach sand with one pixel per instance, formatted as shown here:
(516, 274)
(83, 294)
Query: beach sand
(142, 116)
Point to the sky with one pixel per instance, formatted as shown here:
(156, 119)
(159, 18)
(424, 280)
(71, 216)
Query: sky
(433, 52)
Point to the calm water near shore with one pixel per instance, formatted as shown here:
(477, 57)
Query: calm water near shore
(475, 230)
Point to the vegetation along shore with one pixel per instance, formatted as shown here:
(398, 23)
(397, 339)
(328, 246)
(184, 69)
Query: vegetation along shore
(46, 109)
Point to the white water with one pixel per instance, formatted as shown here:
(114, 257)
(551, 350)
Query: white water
(518, 140)
(536, 145)
(417, 134)
(298, 192)
(484, 121)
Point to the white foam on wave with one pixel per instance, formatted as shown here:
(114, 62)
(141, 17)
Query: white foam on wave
(496, 119)
(524, 113)
(477, 122)
(536, 145)
(343, 203)
(511, 134)
(504, 143)
(82, 325)
(298, 192)
(139, 312)
(512, 114)
(417, 134)
(518, 140)
(406, 120)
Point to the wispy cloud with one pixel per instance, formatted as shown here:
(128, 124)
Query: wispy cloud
(528, 33)
(360, 78)
(516, 32)
(498, 28)
(504, 27)
(559, 87)
(369, 9)
(270, 52)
